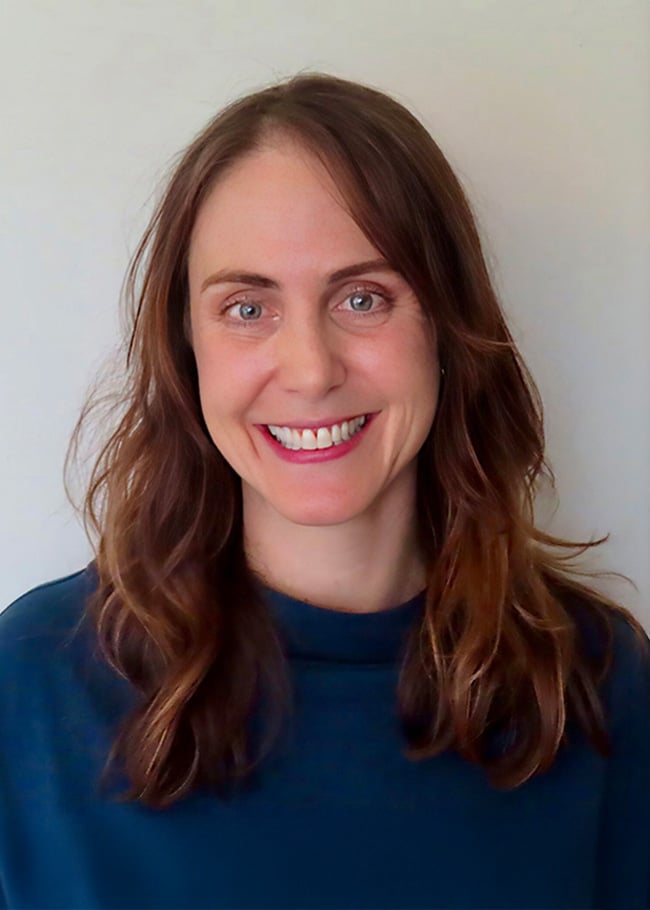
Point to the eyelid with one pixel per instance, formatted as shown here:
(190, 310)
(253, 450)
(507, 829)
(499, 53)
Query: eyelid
(252, 296)
(372, 289)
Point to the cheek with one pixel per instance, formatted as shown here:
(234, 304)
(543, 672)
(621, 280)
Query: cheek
(421, 381)
(228, 381)
(213, 371)
(423, 353)
(409, 359)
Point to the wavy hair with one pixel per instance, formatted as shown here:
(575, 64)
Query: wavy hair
(177, 610)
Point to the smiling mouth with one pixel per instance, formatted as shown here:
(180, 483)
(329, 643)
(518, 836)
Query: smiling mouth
(320, 438)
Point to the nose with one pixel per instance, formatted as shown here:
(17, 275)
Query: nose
(309, 356)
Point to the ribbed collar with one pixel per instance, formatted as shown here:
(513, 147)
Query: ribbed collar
(318, 633)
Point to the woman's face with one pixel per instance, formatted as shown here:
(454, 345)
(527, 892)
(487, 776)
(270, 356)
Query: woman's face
(297, 322)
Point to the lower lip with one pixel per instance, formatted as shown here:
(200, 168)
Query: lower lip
(310, 456)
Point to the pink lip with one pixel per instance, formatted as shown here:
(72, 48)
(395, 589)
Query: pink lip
(307, 456)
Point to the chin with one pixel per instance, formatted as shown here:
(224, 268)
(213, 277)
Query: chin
(317, 514)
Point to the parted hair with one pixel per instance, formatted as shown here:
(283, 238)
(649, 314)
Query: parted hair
(499, 656)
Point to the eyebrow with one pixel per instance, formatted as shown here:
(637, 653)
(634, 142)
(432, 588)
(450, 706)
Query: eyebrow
(261, 281)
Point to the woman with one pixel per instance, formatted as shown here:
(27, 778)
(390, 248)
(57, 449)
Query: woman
(323, 657)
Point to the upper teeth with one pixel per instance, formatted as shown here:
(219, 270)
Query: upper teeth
(321, 438)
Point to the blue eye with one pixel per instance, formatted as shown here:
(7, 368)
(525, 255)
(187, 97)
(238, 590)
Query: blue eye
(243, 311)
(246, 310)
(364, 298)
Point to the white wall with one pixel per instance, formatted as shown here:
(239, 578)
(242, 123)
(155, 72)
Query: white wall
(543, 108)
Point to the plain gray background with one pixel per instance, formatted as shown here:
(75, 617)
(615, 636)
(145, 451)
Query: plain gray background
(542, 108)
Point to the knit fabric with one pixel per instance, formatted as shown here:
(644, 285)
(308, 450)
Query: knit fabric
(337, 817)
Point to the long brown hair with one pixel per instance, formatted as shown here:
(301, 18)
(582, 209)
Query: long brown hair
(177, 610)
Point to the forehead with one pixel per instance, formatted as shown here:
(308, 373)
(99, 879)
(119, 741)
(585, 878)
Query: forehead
(278, 203)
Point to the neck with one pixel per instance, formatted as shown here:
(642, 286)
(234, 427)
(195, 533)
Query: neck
(371, 562)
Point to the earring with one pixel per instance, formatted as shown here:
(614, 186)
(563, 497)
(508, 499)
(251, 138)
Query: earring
(442, 371)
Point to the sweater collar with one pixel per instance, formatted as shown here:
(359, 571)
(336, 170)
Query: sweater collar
(318, 633)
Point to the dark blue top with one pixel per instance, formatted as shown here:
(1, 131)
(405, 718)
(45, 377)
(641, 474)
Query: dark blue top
(338, 817)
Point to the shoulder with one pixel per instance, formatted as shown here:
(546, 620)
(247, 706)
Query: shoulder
(46, 617)
(52, 670)
(623, 796)
(626, 683)
(627, 692)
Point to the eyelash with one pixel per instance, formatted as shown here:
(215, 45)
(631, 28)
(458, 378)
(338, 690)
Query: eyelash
(387, 299)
